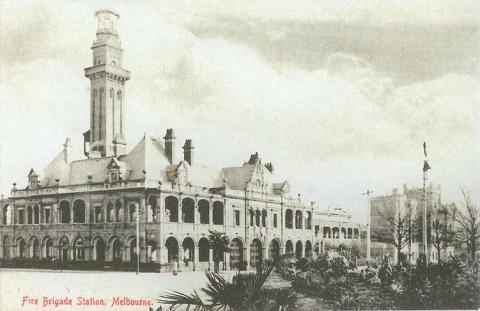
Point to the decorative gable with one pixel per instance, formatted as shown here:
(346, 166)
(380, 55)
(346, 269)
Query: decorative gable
(115, 170)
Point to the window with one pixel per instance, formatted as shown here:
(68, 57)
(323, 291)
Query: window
(110, 212)
(237, 218)
(98, 213)
(133, 212)
(47, 214)
(275, 223)
(252, 216)
(79, 252)
(21, 216)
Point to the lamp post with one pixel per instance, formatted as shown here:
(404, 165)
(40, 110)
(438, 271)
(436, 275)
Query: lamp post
(367, 193)
(137, 211)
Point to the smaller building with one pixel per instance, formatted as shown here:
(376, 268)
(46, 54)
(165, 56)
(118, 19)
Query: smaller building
(335, 227)
(400, 205)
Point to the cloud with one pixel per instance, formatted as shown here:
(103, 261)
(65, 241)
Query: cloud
(330, 128)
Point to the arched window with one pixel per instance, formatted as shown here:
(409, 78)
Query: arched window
(6, 247)
(152, 210)
(64, 212)
(172, 249)
(133, 250)
(288, 247)
(203, 210)
(257, 218)
(335, 233)
(63, 246)
(355, 233)
(252, 217)
(79, 211)
(99, 248)
(308, 249)
(256, 253)
(110, 212)
(7, 214)
(92, 117)
(188, 250)
(132, 211)
(116, 250)
(48, 248)
(78, 249)
(309, 220)
(289, 219)
(29, 215)
(327, 234)
(203, 250)
(264, 218)
(35, 248)
(236, 254)
(188, 210)
(36, 215)
(100, 102)
(344, 233)
(171, 208)
(119, 214)
(298, 220)
(274, 249)
(21, 247)
(217, 213)
(299, 249)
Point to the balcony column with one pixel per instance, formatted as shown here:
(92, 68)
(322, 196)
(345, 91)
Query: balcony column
(210, 259)
(195, 258)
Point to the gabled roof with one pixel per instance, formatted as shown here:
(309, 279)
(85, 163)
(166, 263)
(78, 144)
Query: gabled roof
(32, 173)
(205, 176)
(58, 168)
(237, 177)
(147, 157)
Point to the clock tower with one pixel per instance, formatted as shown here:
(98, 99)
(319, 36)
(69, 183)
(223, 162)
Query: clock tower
(107, 80)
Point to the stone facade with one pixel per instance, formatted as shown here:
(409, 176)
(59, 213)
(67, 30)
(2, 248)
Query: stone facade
(94, 208)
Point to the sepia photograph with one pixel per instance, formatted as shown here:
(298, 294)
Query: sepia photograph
(239, 155)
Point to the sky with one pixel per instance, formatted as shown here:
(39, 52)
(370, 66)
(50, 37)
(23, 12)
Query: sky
(339, 96)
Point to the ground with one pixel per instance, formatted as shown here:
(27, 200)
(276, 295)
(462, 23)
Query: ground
(15, 284)
(36, 284)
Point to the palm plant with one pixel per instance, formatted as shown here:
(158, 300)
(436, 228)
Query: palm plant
(219, 243)
(245, 292)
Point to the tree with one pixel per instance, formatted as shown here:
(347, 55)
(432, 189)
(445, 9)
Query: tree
(443, 235)
(399, 227)
(468, 220)
(244, 292)
(219, 242)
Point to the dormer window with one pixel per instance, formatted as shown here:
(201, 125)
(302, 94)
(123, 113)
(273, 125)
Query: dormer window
(32, 180)
(114, 176)
(114, 173)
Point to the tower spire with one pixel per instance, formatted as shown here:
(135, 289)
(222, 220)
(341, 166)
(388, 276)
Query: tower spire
(107, 81)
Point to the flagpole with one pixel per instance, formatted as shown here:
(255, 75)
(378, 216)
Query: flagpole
(425, 169)
(367, 193)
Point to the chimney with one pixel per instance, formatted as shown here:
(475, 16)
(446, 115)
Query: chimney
(269, 167)
(188, 151)
(170, 145)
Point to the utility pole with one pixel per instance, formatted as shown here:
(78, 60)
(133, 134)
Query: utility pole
(137, 211)
(367, 193)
